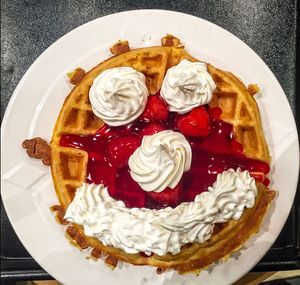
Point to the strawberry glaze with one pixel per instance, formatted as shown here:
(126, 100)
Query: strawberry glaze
(210, 155)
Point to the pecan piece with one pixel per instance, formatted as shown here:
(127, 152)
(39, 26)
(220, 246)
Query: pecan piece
(120, 47)
(81, 241)
(77, 237)
(96, 253)
(253, 89)
(76, 76)
(111, 261)
(56, 208)
(71, 231)
(60, 213)
(160, 270)
(170, 41)
(60, 217)
(38, 148)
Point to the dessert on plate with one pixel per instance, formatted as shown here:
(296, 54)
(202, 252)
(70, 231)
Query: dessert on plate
(160, 159)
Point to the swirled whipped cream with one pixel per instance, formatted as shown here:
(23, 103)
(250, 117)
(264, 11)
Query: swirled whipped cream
(187, 85)
(160, 161)
(166, 230)
(119, 95)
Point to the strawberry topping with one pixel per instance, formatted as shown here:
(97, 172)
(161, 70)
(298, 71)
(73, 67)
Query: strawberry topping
(260, 177)
(195, 123)
(168, 197)
(213, 144)
(152, 129)
(214, 113)
(121, 148)
(156, 110)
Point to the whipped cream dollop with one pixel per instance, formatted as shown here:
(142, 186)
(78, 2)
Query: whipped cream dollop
(166, 230)
(119, 95)
(160, 161)
(187, 85)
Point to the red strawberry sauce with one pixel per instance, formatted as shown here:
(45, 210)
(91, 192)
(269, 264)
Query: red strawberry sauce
(210, 155)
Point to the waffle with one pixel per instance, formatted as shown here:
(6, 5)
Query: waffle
(239, 108)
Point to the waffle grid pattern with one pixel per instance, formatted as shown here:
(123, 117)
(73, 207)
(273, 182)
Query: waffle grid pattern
(240, 109)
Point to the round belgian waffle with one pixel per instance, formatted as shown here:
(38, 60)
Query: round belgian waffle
(69, 165)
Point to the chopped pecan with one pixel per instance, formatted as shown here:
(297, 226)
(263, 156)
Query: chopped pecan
(60, 217)
(160, 270)
(170, 41)
(111, 261)
(96, 253)
(77, 237)
(55, 208)
(38, 148)
(76, 76)
(60, 213)
(71, 231)
(81, 241)
(253, 89)
(120, 47)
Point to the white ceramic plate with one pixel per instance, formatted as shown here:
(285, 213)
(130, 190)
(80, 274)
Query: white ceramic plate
(27, 189)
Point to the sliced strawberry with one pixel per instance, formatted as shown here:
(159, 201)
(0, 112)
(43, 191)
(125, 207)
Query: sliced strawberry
(152, 129)
(121, 148)
(156, 110)
(168, 197)
(214, 113)
(195, 123)
(237, 147)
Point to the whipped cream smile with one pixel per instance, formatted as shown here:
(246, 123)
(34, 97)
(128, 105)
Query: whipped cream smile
(166, 230)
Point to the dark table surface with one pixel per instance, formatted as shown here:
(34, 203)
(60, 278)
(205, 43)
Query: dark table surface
(269, 27)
